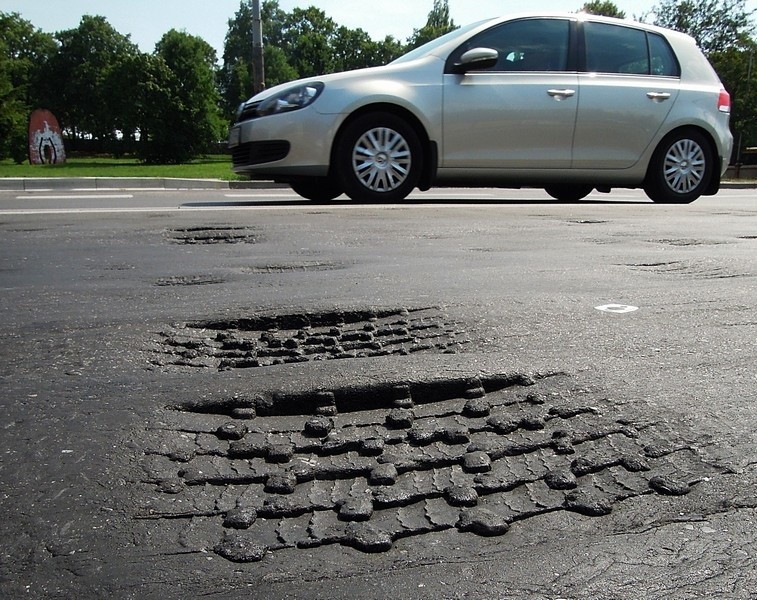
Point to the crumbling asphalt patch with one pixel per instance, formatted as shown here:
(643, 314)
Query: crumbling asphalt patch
(261, 341)
(188, 280)
(244, 476)
(213, 235)
(692, 269)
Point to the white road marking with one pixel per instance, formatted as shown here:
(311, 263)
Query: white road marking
(617, 308)
(75, 197)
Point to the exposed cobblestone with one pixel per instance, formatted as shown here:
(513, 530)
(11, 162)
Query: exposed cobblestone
(403, 460)
(266, 341)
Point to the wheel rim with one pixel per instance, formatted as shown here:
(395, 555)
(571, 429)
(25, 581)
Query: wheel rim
(381, 159)
(685, 166)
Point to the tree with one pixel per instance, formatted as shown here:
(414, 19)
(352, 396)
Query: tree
(736, 66)
(716, 25)
(303, 43)
(437, 24)
(187, 121)
(604, 8)
(150, 83)
(76, 77)
(723, 30)
(24, 51)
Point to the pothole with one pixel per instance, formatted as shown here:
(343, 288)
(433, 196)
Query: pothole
(365, 467)
(305, 267)
(262, 341)
(188, 280)
(213, 235)
(690, 269)
(684, 242)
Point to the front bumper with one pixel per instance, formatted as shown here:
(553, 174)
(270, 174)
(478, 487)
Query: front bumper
(288, 145)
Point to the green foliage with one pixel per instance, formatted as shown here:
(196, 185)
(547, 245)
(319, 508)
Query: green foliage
(716, 25)
(24, 51)
(724, 30)
(186, 122)
(736, 67)
(75, 78)
(604, 8)
(437, 24)
(302, 43)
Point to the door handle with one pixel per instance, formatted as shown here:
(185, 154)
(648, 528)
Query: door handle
(658, 96)
(561, 94)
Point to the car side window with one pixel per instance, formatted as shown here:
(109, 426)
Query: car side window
(628, 51)
(525, 45)
(616, 49)
(664, 62)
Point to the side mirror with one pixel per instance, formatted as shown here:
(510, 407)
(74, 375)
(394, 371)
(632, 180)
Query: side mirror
(476, 59)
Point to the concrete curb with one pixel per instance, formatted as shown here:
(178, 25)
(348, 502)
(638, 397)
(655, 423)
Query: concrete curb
(34, 184)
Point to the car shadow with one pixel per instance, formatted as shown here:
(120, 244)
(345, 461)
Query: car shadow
(409, 202)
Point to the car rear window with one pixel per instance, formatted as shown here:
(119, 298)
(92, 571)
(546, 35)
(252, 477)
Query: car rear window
(627, 51)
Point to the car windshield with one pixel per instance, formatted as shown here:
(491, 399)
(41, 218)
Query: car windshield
(429, 47)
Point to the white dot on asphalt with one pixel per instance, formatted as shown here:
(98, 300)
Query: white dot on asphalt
(617, 308)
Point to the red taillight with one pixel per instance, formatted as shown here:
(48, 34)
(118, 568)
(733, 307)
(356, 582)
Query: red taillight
(724, 102)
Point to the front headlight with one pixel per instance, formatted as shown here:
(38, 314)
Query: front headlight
(291, 99)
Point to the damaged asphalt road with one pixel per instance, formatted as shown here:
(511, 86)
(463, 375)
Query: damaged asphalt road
(517, 400)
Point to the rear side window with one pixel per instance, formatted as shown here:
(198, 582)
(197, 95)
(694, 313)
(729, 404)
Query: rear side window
(627, 51)
(526, 45)
(664, 62)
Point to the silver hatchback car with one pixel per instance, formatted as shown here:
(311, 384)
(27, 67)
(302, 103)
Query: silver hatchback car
(569, 102)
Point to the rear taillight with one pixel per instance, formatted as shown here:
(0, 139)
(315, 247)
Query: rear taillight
(724, 102)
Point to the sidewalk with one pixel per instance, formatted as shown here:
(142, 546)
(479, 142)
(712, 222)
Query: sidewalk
(31, 184)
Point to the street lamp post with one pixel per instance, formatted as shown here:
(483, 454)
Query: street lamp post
(258, 73)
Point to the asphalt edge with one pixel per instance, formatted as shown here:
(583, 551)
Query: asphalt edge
(36, 184)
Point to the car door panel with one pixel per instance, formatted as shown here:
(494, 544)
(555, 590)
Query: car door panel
(618, 117)
(509, 120)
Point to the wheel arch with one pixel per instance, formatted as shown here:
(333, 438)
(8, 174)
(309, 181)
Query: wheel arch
(430, 149)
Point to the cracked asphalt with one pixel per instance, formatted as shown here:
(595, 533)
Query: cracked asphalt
(262, 398)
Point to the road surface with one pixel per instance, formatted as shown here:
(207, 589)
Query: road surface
(474, 394)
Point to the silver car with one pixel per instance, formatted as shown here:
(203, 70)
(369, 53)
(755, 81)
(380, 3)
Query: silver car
(569, 102)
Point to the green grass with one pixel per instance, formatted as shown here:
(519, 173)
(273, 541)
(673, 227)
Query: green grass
(209, 167)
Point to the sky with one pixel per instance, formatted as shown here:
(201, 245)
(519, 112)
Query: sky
(147, 20)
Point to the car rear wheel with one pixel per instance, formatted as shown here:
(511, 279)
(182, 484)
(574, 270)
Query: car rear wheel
(318, 189)
(568, 192)
(680, 169)
(378, 158)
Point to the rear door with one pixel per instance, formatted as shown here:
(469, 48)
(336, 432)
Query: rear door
(520, 113)
(631, 82)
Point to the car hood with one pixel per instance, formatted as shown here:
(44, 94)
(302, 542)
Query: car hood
(390, 71)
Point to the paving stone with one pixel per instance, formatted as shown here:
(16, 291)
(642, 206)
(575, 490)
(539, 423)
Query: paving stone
(240, 549)
(476, 462)
(461, 496)
(482, 522)
(385, 474)
(669, 486)
(240, 518)
(367, 538)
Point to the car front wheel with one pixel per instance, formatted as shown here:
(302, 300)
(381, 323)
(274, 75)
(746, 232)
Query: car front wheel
(378, 158)
(568, 192)
(318, 189)
(680, 169)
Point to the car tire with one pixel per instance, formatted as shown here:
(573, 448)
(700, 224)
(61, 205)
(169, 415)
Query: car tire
(681, 168)
(568, 192)
(318, 189)
(378, 158)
